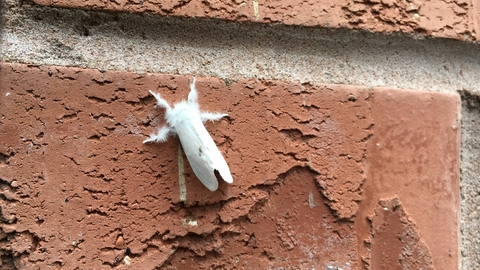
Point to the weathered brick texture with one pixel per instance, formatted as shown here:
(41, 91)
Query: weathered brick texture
(324, 175)
(459, 19)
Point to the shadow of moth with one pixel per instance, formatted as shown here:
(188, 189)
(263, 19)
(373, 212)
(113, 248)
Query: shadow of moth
(186, 120)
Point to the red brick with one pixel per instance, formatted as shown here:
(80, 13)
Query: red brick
(72, 159)
(450, 19)
(414, 155)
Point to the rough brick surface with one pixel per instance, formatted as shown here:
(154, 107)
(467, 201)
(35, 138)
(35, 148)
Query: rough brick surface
(72, 159)
(452, 19)
(414, 154)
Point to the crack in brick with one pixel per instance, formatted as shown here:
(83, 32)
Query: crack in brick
(97, 99)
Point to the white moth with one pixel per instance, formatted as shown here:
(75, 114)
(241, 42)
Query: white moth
(186, 120)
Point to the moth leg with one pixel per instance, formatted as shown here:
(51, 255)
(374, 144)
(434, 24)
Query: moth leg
(193, 95)
(206, 116)
(162, 103)
(161, 136)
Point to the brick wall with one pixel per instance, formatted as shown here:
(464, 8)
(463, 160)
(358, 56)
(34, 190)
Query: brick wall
(343, 135)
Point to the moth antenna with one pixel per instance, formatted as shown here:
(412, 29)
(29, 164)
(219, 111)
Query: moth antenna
(161, 103)
(193, 95)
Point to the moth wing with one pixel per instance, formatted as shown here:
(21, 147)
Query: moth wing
(202, 153)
